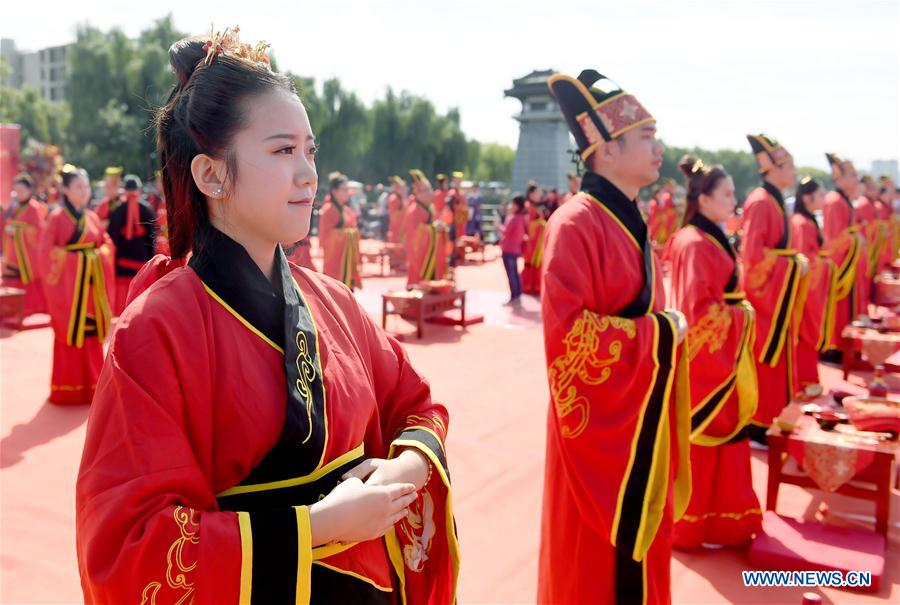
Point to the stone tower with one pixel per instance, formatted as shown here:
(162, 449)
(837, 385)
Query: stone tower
(544, 142)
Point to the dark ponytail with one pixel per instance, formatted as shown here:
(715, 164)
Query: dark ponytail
(204, 111)
(700, 179)
(807, 186)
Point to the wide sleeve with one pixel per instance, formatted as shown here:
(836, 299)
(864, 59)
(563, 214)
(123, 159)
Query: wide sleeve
(611, 382)
(148, 529)
(771, 278)
(423, 547)
(50, 255)
(842, 245)
(720, 342)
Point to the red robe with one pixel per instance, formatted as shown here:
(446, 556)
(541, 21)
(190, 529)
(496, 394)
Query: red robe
(771, 278)
(426, 255)
(815, 308)
(106, 206)
(76, 257)
(21, 235)
(887, 230)
(866, 216)
(534, 254)
(723, 507)
(662, 219)
(301, 254)
(460, 212)
(395, 219)
(195, 488)
(339, 240)
(846, 251)
(617, 464)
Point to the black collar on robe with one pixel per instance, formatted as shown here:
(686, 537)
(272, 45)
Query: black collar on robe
(426, 208)
(707, 226)
(281, 314)
(224, 266)
(78, 217)
(775, 192)
(627, 212)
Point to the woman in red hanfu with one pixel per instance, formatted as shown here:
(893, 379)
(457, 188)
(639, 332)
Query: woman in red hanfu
(396, 205)
(816, 308)
(533, 251)
(22, 226)
(76, 257)
(426, 241)
(723, 509)
(339, 234)
(255, 437)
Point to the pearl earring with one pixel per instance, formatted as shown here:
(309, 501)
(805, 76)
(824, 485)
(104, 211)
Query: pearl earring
(218, 192)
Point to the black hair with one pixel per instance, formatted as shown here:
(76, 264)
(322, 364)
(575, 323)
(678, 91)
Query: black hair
(202, 114)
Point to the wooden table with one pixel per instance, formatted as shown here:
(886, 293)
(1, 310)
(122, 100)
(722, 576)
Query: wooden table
(381, 258)
(422, 307)
(876, 346)
(873, 483)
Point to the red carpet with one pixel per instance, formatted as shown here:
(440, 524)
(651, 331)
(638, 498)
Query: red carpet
(492, 378)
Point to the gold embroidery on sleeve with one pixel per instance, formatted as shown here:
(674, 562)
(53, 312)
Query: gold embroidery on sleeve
(582, 362)
(176, 569)
(758, 274)
(712, 330)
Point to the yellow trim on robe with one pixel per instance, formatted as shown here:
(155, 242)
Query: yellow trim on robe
(246, 557)
(614, 529)
(304, 555)
(745, 381)
(354, 575)
(393, 545)
(356, 452)
(240, 318)
(656, 491)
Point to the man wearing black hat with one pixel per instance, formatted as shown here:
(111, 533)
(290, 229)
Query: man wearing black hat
(132, 227)
(617, 467)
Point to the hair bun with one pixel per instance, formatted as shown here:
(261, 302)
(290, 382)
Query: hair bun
(185, 56)
(686, 165)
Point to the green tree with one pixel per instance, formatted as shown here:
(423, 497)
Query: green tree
(495, 163)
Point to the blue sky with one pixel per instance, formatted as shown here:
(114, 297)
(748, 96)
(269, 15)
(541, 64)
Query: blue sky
(816, 75)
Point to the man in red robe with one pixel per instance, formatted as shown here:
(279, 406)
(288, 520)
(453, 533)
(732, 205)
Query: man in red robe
(868, 217)
(845, 247)
(772, 280)
(132, 227)
(112, 187)
(24, 221)
(617, 465)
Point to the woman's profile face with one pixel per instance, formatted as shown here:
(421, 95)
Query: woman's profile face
(719, 205)
(272, 195)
